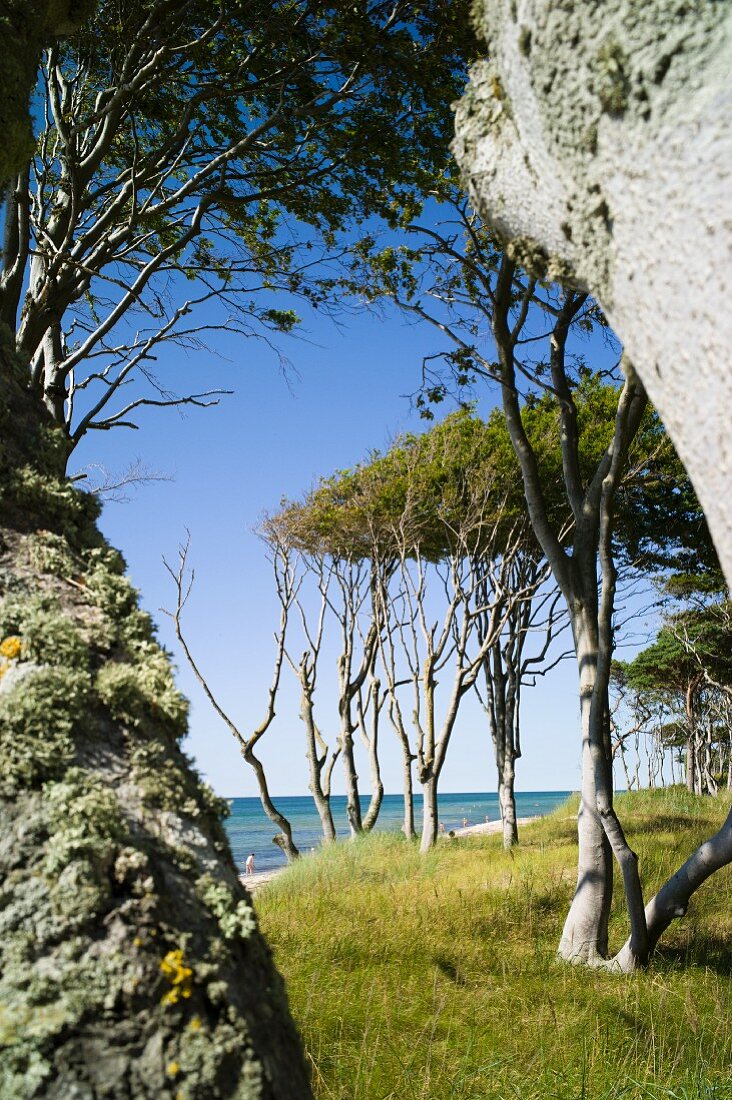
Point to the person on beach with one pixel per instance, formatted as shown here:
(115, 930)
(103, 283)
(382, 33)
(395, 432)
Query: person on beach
(250, 864)
(442, 826)
(465, 823)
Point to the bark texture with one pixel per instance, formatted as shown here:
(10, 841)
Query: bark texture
(598, 141)
(131, 963)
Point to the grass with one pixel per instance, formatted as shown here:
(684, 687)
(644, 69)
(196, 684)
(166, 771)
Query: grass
(435, 978)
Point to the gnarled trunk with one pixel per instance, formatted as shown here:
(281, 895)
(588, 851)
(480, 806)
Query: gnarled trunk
(318, 765)
(142, 932)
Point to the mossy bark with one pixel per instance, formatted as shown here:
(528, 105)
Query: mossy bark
(131, 960)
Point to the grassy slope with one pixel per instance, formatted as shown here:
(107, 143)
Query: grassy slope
(435, 978)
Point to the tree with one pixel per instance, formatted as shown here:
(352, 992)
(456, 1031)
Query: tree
(145, 948)
(510, 664)
(287, 593)
(440, 525)
(563, 140)
(196, 160)
(458, 278)
(688, 665)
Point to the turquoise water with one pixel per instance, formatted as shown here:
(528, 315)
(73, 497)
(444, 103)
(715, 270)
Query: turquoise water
(250, 830)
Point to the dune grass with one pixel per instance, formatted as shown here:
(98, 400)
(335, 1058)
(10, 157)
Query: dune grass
(435, 978)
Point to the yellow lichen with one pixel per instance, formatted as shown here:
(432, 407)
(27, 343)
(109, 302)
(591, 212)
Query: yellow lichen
(195, 1024)
(11, 647)
(172, 1069)
(179, 975)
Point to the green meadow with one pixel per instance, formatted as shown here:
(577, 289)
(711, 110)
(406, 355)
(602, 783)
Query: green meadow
(434, 977)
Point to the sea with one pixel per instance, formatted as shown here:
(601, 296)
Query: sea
(250, 830)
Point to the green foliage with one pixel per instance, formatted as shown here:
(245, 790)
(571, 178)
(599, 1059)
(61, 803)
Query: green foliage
(288, 124)
(427, 486)
(403, 971)
(453, 484)
(39, 714)
(691, 644)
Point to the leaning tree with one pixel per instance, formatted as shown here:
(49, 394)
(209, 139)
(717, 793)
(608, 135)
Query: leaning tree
(505, 321)
(193, 165)
(452, 571)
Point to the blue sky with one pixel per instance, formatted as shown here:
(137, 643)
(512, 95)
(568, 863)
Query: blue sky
(345, 394)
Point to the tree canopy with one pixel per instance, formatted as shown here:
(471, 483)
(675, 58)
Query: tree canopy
(196, 153)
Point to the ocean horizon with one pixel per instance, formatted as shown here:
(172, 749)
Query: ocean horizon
(250, 830)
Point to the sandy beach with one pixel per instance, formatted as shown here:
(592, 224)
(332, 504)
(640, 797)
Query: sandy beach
(259, 879)
(486, 827)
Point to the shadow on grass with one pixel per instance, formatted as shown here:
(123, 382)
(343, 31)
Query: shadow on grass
(669, 823)
(449, 969)
(709, 951)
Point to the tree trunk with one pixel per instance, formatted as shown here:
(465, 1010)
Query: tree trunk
(142, 920)
(507, 801)
(692, 764)
(672, 900)
(353, 802)
(372, 747)
(430, 822)
(585, 932)
(315, 768)
(283, 839)
(408, 789)
(501, 691)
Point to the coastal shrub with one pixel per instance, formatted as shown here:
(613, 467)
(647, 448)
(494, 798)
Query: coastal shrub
(39, 713)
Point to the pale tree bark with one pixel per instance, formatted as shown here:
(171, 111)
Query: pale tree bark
(369, 714)
(389, 608)
(286, 590)
(321, 760)
(508, 667)
(584, 937)
(601, 154)
(451, 647)
(355, 591)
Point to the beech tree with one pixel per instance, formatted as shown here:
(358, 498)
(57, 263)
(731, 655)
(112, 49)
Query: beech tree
(192, 162)
(511, 663)
(287, 583)
(687, 669)
(112, 842)
(442, 531)
(506, 322)
(346, 584)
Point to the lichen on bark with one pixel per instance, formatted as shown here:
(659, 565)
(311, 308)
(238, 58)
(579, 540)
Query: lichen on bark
(610, 155)
(131, 962)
